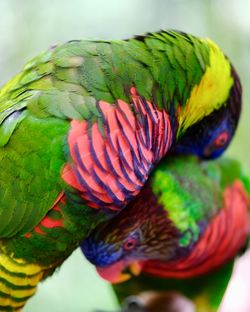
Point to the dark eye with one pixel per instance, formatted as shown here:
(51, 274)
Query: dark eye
(130, 244)
(221, 139)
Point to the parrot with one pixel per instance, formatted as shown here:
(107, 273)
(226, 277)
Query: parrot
(182, 234)
(81, 128)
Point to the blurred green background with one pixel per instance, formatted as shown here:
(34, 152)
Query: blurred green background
(28, 27)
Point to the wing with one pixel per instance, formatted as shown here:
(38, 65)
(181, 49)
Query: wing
(31, 153)
(111, 106)
(55, 108)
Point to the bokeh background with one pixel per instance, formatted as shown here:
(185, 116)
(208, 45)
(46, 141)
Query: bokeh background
(28, 27)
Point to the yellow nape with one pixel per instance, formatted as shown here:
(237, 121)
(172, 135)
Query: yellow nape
(212, 91)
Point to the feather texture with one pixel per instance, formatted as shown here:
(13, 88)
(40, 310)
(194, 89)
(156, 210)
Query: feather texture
(90, 120)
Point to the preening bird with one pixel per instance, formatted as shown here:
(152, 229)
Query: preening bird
(182, 232)
(81, 128)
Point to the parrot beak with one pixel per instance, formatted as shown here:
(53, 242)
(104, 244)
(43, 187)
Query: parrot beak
(135, 267)
(123, 277)
(114, 273)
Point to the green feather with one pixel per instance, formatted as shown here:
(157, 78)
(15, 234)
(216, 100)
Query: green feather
(31, 171)
(64, 83)
(189, 194)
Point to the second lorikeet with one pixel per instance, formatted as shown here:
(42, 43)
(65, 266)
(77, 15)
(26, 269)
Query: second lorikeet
(81, 128)
(182, 233)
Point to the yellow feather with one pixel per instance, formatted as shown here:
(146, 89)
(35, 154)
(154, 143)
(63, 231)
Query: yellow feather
(14, 274)
(19, 266)
(212, 91)
(17, 293)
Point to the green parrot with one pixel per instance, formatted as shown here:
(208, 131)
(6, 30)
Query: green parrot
(81, 128)
(182, 234)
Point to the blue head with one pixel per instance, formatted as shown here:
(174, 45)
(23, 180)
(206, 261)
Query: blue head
(140, 232)
(209, 137)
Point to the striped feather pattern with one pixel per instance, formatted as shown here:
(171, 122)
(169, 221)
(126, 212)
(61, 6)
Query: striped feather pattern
(110, 164)
(18, 282)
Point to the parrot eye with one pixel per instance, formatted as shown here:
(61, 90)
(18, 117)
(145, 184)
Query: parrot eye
(221, 139)
(130, 244)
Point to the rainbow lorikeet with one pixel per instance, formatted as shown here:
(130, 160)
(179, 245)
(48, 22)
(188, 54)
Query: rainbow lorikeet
(182, 232)
(81, 128)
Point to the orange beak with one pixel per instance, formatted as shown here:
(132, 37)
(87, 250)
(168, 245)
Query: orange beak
(135, 267)
(114, 273)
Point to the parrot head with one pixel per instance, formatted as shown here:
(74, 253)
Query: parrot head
(140, 232)
(158, 224)
(168, 228)
(209, 137)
